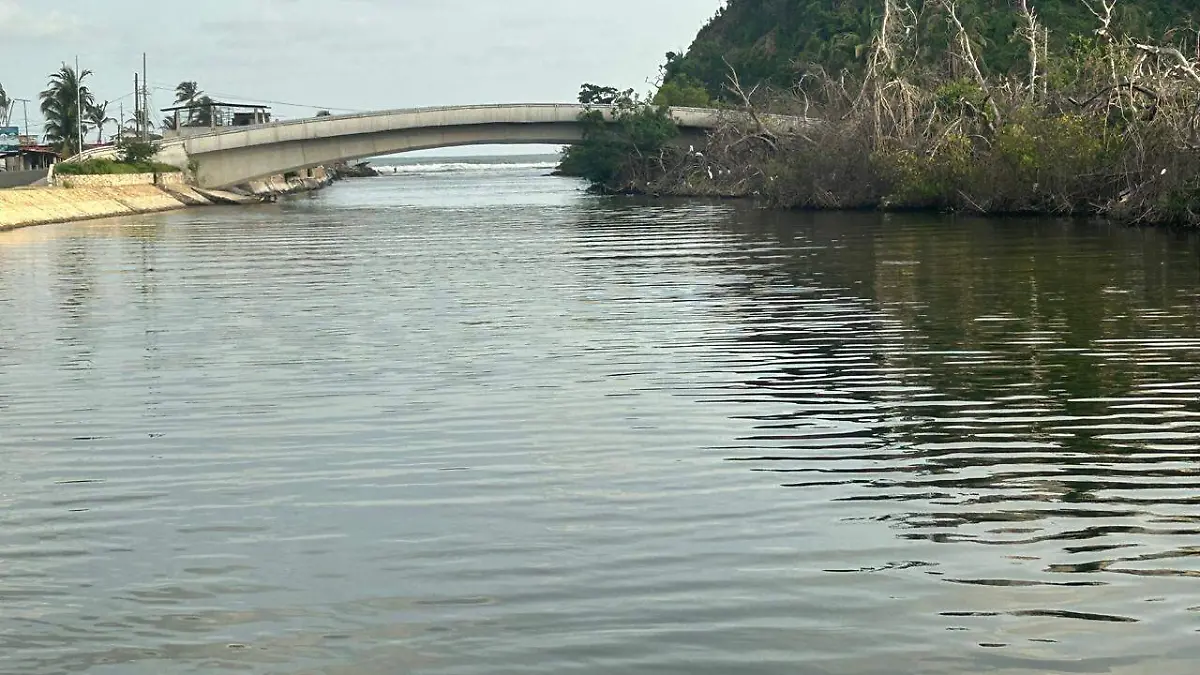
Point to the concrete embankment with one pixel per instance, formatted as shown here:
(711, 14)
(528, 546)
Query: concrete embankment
(103, 196)
(11, 179)
(21, 207)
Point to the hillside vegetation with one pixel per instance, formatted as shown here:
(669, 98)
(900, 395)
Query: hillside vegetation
(777, 42)
(986, 106)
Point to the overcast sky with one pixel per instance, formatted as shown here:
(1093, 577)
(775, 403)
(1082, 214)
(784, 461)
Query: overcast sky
(345, 55)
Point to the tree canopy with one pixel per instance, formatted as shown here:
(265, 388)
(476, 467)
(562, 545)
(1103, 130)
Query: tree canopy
(776, 42)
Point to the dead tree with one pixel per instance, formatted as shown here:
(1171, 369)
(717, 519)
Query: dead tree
(967, 54)
(1032, 32)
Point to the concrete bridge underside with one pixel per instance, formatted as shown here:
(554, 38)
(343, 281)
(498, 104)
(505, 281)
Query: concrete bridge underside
(233, 166)
(234, 156)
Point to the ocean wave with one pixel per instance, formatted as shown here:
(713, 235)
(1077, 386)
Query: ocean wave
(461, 167)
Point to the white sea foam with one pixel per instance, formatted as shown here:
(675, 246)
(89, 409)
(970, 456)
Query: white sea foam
(461, 167)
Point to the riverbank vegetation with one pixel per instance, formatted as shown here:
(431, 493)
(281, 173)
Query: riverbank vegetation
(101, 166)
(133, 156)
(626, 147)
(939, 109)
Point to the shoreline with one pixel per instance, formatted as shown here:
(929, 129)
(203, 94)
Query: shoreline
(52, 205)
(4, 227)
(29, 207)
(758, 201)
(34, 206)
(77, 198)
(716, 192)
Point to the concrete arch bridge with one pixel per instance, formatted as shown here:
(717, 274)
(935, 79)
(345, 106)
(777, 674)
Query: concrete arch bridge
(233, 156)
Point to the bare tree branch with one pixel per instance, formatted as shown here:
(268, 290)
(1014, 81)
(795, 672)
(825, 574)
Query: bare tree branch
(1032, 33)
(1182, 61)
(735, 85)
(968, 55)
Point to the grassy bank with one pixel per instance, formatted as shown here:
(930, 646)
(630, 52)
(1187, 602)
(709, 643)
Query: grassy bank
(107, 167)
(1107, 127)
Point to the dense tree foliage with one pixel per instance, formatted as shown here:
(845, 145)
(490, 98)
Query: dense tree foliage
(622, 145)
(778, 41)
(683, 91)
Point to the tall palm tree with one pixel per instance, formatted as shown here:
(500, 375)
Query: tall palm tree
(98, 116)
(62, 100)
(186, 93)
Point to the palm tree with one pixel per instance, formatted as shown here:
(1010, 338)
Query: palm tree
(203, 114)
(186, 93)
(133, 125)
(98, 115)
(62, 100)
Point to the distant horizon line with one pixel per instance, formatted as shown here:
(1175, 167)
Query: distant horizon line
(454, 157)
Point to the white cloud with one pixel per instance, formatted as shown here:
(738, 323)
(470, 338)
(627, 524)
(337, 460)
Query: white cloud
(19, 21)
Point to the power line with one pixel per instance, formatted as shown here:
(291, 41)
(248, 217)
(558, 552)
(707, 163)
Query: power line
(261, 100)
(122, 98)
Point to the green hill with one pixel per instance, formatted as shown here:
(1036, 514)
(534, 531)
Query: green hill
(777, 41)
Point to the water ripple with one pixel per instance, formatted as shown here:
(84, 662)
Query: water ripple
(451, 424)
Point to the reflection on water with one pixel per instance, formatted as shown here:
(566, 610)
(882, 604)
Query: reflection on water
(474, 421)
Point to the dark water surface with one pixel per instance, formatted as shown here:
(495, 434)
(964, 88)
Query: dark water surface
(471, 421)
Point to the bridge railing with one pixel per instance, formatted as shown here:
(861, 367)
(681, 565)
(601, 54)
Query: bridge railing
(429, 110)
(105, 151)
(386, 113)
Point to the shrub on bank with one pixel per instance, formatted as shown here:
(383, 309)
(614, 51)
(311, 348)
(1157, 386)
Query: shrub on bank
(622, 153)
(100, 166)
(1034, 163)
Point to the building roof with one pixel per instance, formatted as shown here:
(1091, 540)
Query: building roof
(29, 150)
(217, 104)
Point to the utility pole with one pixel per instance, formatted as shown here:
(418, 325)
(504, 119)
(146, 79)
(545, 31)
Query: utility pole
(145, 100)
(24, 112)
(137, 107)
(78, 104)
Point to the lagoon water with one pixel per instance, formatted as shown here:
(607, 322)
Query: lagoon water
(469, 420)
